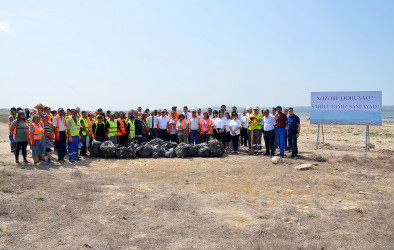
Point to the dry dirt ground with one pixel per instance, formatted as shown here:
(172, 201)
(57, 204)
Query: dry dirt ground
(234, 202)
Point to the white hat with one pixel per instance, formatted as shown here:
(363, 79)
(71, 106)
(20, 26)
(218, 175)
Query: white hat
(248, 107)
(256, 107)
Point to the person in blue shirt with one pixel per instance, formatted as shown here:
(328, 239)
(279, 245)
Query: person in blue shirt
(293, 130)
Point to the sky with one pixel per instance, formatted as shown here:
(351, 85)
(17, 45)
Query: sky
(156, 54)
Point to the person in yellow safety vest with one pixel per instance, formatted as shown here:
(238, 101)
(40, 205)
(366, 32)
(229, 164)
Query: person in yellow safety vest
(255, 126)
(112, 126)
(73, 128)
(131, 127)
(11, 118)
(122, 129)
(86, 131)
(145, 127)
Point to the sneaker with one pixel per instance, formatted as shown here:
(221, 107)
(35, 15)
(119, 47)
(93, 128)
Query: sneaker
(61, 160)
(50, 162)
(295, 157)
(37, 163)
(26, 161)
(72, 160)
(17, 162)
(44, 162)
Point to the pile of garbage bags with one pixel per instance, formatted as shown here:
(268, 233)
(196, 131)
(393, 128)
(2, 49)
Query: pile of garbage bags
(157, 148)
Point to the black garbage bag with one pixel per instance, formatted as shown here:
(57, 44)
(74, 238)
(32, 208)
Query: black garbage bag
(107, 150)
(168, 145)
(145, 150)
(157, 152)
(133, 145)
(131, 153)
(193, 150)
(182, 150)
(95, 152)
(169, 153)
(217, 148)
(156, 141)
(204, 150)
(121, 152)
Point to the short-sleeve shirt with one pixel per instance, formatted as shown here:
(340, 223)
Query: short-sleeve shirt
(22, 130)
(234, 125)
(292, 122)
(281, 120)
(163, 122)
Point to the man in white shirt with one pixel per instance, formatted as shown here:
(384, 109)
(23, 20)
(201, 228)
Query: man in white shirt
(210, 114)
(60, 132)
(194, 124)
(199, 114)
(273, 114)
(163, 126)
(153, 121)
(269, 123)
(186, 113)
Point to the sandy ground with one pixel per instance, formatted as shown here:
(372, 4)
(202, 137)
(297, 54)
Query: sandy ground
(234, 202)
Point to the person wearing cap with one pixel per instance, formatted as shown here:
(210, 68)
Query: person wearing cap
(73, 128)
(11, 118)
(153, 124)
(47, 110)
(256, 130)
(281, 123)
(20, 131)
(112, 128)
(48, 133)
(99, 129)
(122, 133)
(269, 124)
(131, 126)
(194, 128)
(59, 128)
(172, 130)
(86, 131)
(37, 140)
(181, 126)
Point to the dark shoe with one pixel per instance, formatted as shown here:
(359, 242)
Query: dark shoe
(61, 160)
(267, 154)
(78, 157)
(281, 155)
(71, 160)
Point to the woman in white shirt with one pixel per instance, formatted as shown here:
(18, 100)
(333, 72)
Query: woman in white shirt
(234, 126)
(226, 134)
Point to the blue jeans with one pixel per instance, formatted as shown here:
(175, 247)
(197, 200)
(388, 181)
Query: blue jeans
(73, 148)
(281, 135)
(194, 137)
(293, 142)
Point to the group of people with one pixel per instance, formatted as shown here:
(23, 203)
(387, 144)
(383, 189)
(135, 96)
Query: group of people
(72, 131)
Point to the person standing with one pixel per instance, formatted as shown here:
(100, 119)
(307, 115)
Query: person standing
(73, 128)
(194, 127)
(206, 128)
(226, 132)
(112, 128)
(210, 114)
(172, 130)
(122, 130)
(131, 127)
(244, 129)
(99, 129)
(219, 126)
(281, 120)
(163, 126)
(145, 127)
(186, 113)
(235, 126)
(85, 132)
(199, 114)
(20, 131)
(249, 111)
(255, 126)
(182, 125)
(153, 121)
(11, 118)
(59, 126)
(173, 109)
(293, 127)
(286, 113)
(37, 141)
(269, 123)
(48, 132)
(273, 114)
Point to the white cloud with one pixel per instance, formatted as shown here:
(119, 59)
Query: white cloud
(4, 27)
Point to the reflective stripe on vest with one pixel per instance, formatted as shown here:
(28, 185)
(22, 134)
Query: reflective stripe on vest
(85, 122)
(132, 130)
(75, 127)
(113, 127)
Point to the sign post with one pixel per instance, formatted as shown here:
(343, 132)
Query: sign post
(346, 108)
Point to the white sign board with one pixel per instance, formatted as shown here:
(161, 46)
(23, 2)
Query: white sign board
(347, 108)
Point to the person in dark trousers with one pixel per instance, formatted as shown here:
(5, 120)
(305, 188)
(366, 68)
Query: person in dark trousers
(99, 129)
(269, 123)
(287, 141)
(59, 127)
(20, 129)
(293, 127)
(123, 138)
